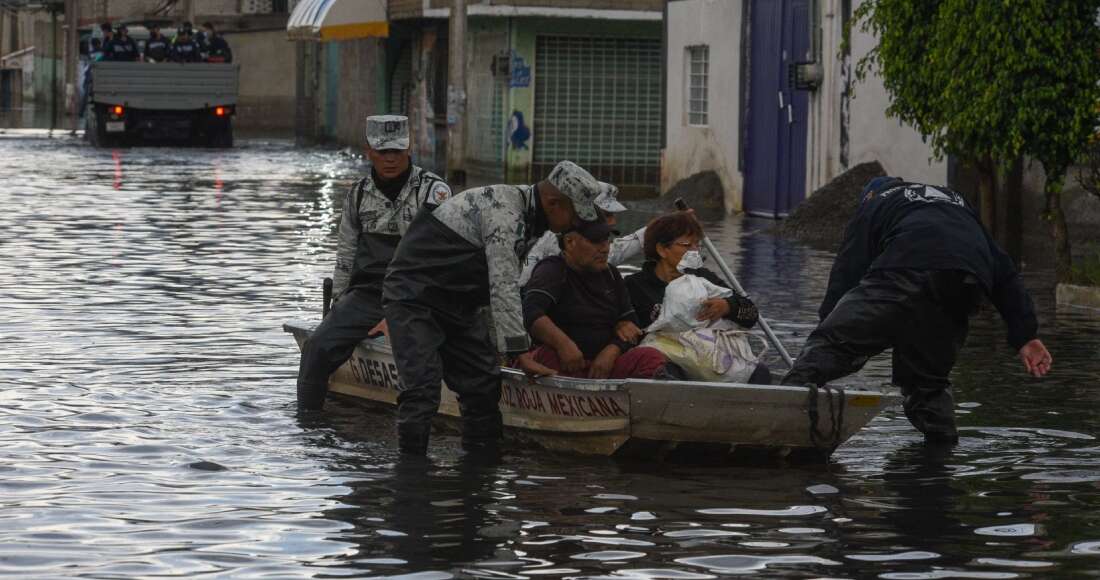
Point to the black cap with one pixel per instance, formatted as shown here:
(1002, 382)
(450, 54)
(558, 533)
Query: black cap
(596, 231)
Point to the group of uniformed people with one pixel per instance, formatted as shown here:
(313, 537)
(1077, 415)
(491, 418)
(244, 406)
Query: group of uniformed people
(186, 46)
(417, 263)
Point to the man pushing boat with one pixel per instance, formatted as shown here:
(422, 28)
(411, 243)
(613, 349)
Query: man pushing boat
(454, 259)
(913, 267)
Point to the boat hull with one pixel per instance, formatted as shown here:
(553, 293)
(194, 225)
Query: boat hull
(615, 417)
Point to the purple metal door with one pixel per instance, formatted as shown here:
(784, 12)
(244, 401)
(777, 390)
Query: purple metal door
(775, 147)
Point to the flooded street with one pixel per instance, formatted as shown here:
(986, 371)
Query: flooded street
(148, 425)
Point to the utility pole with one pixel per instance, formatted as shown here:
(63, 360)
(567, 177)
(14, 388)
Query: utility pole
(55, 55)
(189, 11)
(456, 98)
(72, 57)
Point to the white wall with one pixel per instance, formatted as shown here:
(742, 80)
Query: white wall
(873, 135)
(691, 150)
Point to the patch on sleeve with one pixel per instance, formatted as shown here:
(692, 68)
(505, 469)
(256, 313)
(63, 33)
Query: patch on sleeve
(440, 192)
(517, 343)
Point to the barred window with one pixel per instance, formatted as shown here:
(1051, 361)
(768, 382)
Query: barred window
(698, 69)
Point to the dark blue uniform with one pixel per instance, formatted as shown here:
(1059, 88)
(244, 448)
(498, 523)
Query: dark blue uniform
(157, 48)
(914, 264)
(186, 51)
(121, 50)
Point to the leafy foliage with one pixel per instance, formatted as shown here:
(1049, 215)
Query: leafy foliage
(989, 81)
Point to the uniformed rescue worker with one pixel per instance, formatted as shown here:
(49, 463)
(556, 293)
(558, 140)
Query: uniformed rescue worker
(623, 248)
(184, 48)
(107, 31)
(156, 47)
(454, 259)
(914, 265)
(121, 48)
(214, 46)
(377, 212)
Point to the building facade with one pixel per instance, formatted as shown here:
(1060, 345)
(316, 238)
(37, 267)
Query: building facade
(546, 81)
(735, 108)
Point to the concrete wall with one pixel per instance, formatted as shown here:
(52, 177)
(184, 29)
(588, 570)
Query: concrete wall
(841, 133)
(692, 149)
(873, 135)
(361, 87)
(267, 60)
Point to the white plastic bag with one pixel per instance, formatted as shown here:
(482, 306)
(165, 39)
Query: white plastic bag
(710, 354)
(683, 298)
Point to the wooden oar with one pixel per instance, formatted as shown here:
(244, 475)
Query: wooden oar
(709, 245)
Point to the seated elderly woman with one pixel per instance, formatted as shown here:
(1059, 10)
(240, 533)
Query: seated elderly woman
(577, 308)
(670, 239)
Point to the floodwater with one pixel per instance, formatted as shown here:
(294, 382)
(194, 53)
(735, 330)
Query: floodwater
(148, 424)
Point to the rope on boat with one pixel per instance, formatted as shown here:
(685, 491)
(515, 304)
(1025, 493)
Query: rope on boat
(830, 438)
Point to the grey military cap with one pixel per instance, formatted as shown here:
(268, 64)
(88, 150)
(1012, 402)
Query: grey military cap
(579, 186)
(608, 199)
(388, 132)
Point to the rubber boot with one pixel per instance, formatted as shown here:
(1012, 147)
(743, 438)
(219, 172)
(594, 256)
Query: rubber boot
(311, 397)
(482, 434)
(412, 439)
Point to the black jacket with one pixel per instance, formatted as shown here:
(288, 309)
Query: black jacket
(185, 51)
(121, 49)
(647, 292)
(217, 50)
(156, 48)
(912, 226)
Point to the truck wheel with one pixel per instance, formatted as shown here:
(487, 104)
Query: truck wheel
(222, 137)
(96, 131)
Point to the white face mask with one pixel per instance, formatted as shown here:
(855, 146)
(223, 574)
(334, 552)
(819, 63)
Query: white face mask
(691, 260)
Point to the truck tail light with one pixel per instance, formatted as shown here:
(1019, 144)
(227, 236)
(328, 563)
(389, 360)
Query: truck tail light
(220, 111)
(117, 110)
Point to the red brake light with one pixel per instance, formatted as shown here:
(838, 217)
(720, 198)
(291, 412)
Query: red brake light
(118, 109)
(219, 111)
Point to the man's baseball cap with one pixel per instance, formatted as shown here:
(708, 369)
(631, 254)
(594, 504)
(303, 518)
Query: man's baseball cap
(579, 186)
(388, 132)
(596, 232)
(608, 200)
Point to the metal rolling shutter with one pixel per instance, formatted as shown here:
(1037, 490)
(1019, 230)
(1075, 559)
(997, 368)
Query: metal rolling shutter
(598, 103)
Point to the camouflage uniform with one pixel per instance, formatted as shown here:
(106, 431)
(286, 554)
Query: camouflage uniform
(455, 259)
(622, 249)
(370, 228)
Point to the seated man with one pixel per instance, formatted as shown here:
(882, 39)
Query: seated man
(576, 306)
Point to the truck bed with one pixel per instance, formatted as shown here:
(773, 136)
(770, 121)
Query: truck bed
(169, 86)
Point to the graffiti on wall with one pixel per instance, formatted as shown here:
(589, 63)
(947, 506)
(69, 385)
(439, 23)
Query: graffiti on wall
(521, 72)
(518, 131)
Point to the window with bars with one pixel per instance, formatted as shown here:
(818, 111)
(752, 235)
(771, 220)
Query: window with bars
(698, 71)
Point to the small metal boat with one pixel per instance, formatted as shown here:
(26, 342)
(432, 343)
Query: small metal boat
(650, 418)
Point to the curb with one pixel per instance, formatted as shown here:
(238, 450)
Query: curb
(1078, 296)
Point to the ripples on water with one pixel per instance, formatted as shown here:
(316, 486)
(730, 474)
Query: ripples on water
(147, 425)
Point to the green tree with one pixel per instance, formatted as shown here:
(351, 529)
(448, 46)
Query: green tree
(988, 81)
